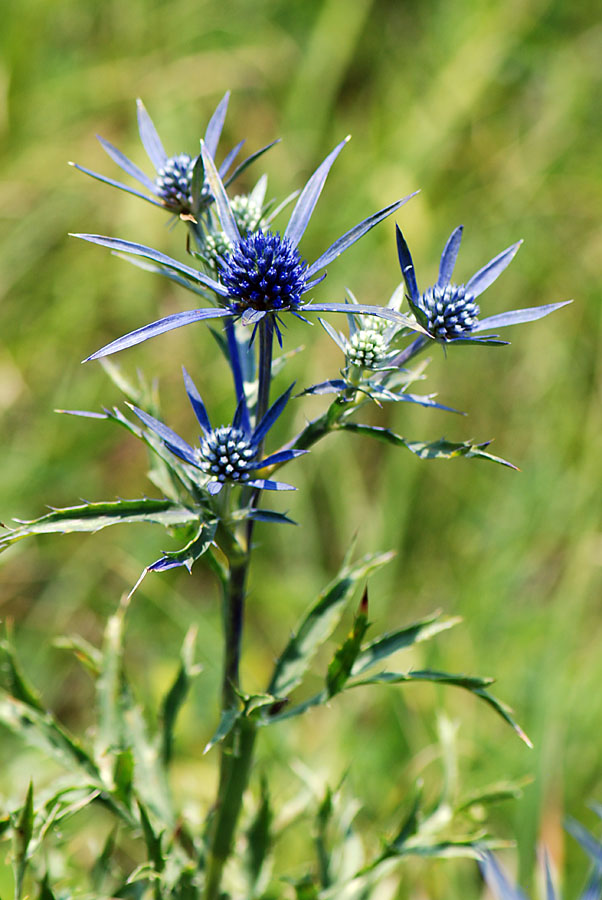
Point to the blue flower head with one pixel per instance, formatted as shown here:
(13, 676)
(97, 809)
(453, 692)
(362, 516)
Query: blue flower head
(264, 272)
(229, 454)
(260, 273)
(179, 184)
(448, 312)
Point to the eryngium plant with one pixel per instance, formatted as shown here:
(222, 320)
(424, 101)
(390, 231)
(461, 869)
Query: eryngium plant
(249, 277)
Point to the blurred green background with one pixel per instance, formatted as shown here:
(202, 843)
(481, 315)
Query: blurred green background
(492, 109)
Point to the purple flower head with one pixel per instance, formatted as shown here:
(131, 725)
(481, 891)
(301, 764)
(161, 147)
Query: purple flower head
(179, 183)
(229, 454)
(264, 272)
(448, 312)
(174, 182)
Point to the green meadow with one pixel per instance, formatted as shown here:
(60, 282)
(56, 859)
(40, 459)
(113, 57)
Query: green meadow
(492, 110)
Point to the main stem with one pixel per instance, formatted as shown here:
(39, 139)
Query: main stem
(237, 748)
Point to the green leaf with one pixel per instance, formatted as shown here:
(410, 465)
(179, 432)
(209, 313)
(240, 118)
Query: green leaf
(441, 449)
(66, 802)
(259, 840)
(494, 793)
(342, 663)
(22, 836)
(110, 686)
(91, 517)
(175, 697)
(470, 847)
(188, 555)
(323, 851)
(385, 645)
(5, 824)
(18, 686)
(289, 712)
(427, 836)
(40, 730)
(150, 783)
(103, 865)
(470, 683)
(121, 726)
(319, 622)
(187, 887)
(45, 892)
(306, 889)
(151, 839)
(227, 722)
(123, 776)
(24, 825)
(88, 655)
(410, 824)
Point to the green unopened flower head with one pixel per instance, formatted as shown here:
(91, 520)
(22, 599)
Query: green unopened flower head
(247, 213)
(366, 348)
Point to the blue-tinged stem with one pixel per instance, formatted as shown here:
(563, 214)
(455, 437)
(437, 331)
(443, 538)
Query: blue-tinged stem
(237, 748)
(234, 351)
(266, 347)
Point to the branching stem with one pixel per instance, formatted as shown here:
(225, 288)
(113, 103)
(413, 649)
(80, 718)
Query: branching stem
(237, 748)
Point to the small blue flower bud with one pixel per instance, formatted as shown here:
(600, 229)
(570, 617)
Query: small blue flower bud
(174, 181)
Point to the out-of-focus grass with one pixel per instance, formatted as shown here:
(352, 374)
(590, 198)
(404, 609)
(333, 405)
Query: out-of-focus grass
(489, 108)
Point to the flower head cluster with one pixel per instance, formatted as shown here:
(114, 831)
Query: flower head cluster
(263, 273)
(179, 184)
(447, 312)
(369, 343)
(229, 454)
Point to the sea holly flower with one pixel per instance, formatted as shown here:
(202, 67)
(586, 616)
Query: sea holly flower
(369, 343)
(179, 184)
(447, 311)
(264, 274)
(228, 454)
(371, 366)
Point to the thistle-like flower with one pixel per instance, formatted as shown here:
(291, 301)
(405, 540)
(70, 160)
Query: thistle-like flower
(369, 343)
(179, 183)
(448, 312)
(371, 367)
(264, 273)
(229, 454)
